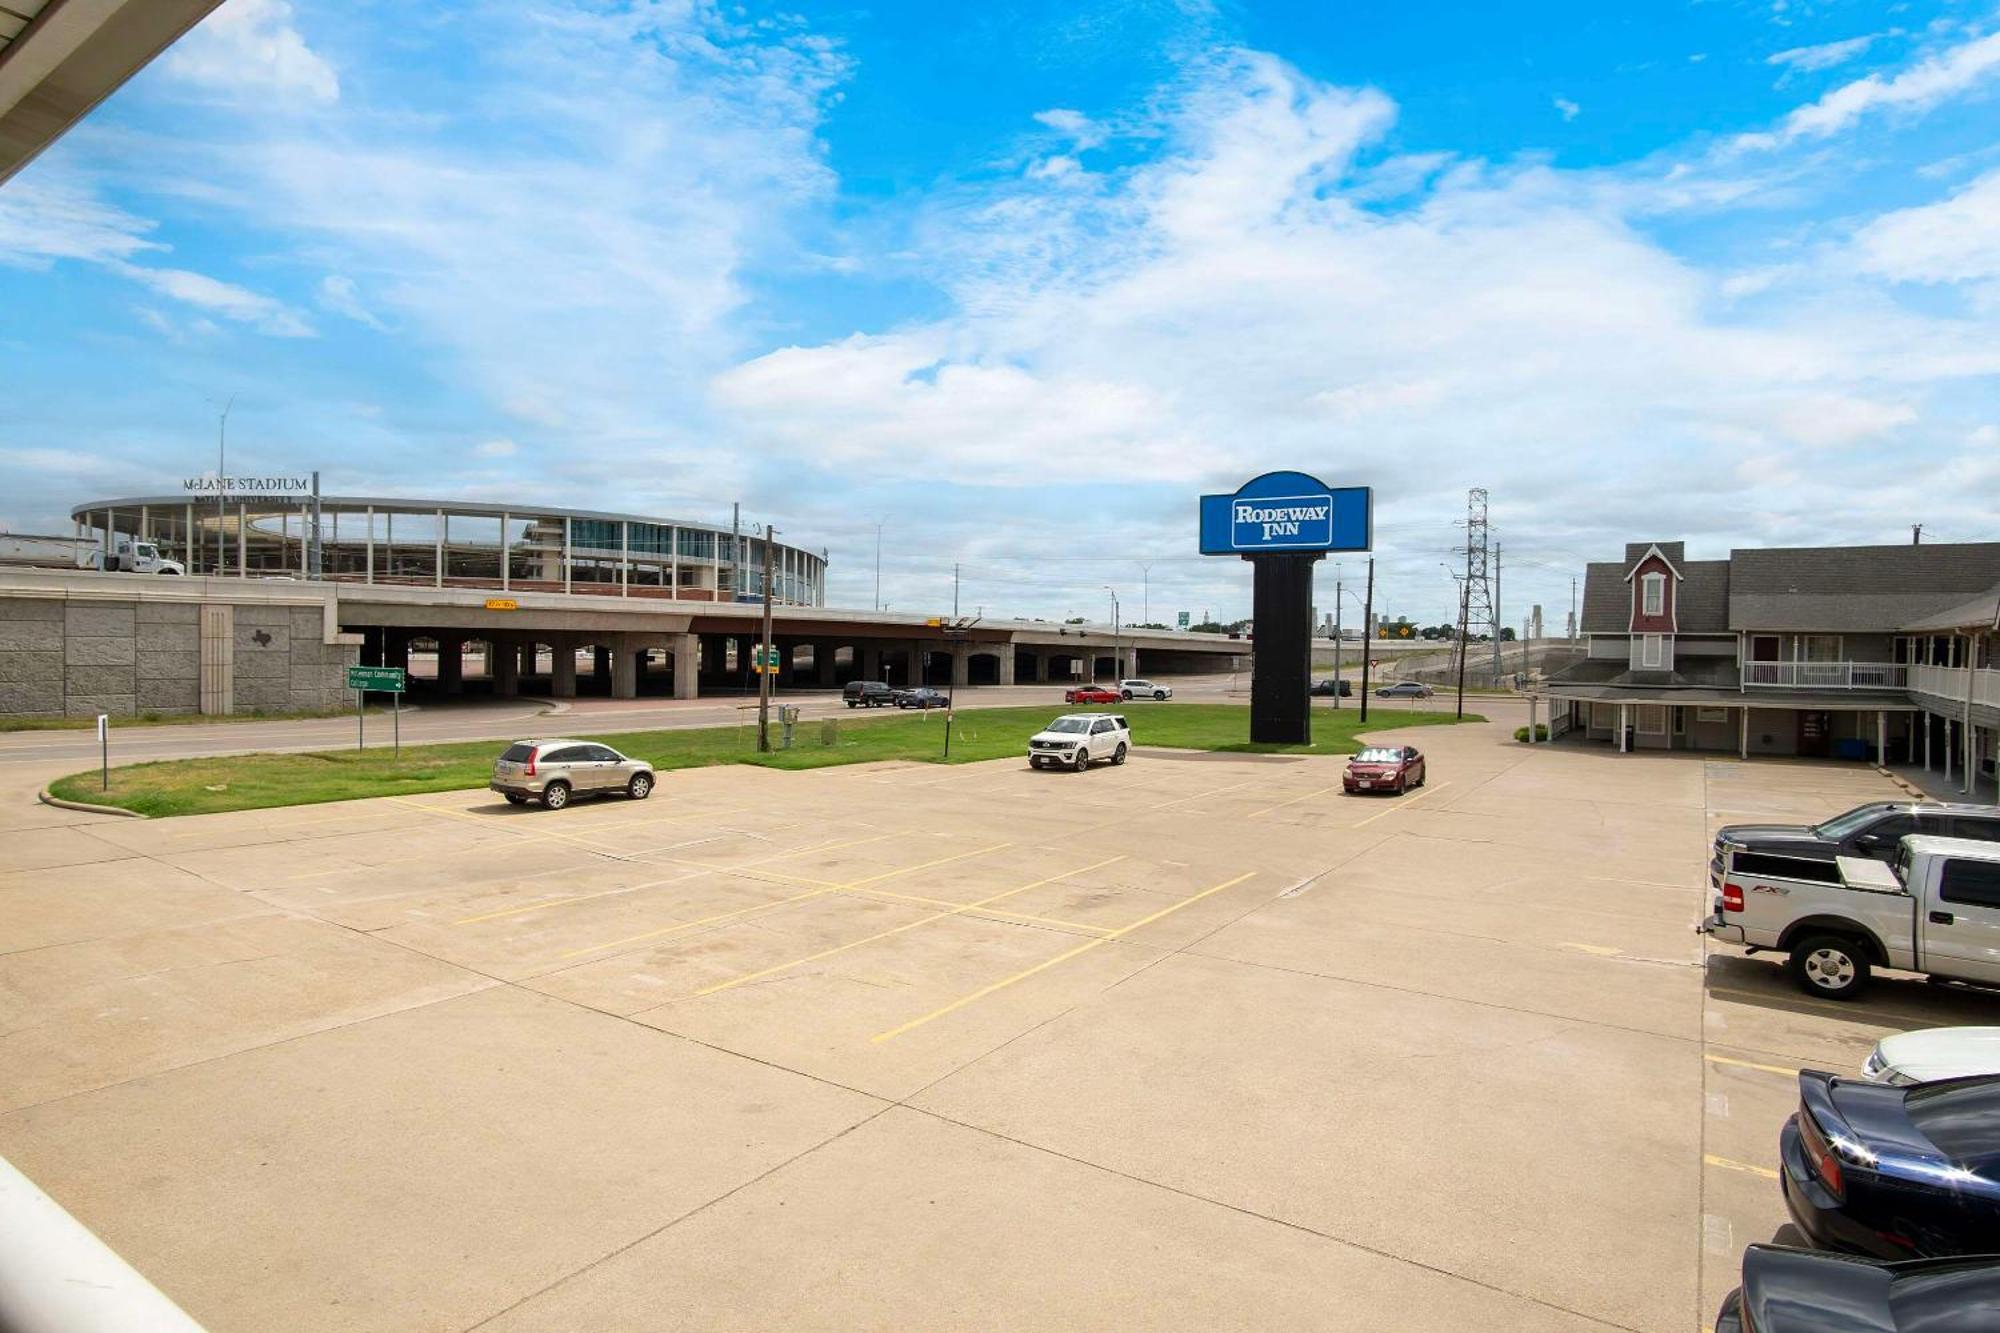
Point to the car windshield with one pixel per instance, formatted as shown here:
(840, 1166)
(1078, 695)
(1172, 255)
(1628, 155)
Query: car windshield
(1841, 825)
(1377, 755)
(1070, 724)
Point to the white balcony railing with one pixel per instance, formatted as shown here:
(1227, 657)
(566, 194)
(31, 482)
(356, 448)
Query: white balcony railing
(1828, 675)
(1950, 683)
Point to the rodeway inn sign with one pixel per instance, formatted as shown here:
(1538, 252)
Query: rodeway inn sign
(1285, 511)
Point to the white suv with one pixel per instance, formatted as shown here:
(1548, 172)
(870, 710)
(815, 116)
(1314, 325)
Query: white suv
(1074, 739)
(1144, 689)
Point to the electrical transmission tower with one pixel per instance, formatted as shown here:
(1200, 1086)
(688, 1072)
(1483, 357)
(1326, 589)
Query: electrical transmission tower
(1482, 576)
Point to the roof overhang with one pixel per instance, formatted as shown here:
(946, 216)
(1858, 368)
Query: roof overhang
(60, 58)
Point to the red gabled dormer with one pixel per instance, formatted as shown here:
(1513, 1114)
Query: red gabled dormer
(1655, 589)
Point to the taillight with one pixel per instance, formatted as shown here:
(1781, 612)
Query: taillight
(532, 754)
(1817, 1152)
(1732, 897)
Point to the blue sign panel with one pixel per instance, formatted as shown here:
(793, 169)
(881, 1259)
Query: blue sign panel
(1286, 511)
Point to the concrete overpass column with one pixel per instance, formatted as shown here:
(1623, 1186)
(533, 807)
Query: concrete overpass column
(918, 675)
(1129, 669)
(961, 664)
(450, 664)
(624, 668)
(871, 660)
(686, 649)
(562, 668)
(503, 660)
(530, 653)
(600, 663)
(1006, 664)
(396, 649)
(826, 662)
(1041, 672)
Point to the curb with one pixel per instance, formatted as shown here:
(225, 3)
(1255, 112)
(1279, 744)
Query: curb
(1916, 792)
(555, 708)
(47, 798)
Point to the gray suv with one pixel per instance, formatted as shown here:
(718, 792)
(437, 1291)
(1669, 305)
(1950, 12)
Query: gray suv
(554, 771)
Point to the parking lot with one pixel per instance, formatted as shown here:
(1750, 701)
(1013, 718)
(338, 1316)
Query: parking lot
(1194, 1042)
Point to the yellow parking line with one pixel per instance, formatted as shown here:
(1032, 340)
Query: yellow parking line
(1063, 957)
(1748, 1064)
(797, 897)
(992, 911)
(655, 883)
(1731, 1164)
(1403, 804)
(897, 930)
(1294, 801)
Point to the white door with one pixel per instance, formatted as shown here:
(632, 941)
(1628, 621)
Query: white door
(1961, 921)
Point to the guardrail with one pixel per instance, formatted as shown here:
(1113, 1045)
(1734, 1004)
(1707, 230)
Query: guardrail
(1827, 675)
(58, 1277)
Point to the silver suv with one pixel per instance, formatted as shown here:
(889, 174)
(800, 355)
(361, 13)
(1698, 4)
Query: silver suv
(553, 771)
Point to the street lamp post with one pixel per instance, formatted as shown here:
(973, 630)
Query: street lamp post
(221, 456)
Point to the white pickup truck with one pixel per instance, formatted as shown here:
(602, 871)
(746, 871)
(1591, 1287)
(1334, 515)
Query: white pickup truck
(1933, 908)
(140, 557)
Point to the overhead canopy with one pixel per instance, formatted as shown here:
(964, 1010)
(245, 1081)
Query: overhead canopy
(60, 58)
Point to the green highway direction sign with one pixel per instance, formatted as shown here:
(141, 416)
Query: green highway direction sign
(381, 680)
(1184, 620)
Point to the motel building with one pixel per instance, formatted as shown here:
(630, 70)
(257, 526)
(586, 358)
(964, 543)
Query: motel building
(1878, 653)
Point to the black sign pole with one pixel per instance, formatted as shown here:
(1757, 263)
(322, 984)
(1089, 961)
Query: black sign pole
(1367, 628)
(360, 698)
(396, 702)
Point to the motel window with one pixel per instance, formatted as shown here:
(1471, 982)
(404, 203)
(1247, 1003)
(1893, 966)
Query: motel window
(1603, 716)
(1654, 594)
(1653, 719)
(1819, 647)
(1653, 650)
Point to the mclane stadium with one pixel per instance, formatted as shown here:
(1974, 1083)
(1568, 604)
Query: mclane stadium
(426, 543)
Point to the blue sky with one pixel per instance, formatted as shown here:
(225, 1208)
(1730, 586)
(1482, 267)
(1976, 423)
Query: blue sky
(1018, 282)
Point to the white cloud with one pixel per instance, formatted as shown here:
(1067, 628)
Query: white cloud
(1082, 132)
(1806, 59)
(226, 299)
(496, 448)
(1569, 110)
(1955, 240)
(338, 293)
(249, 51)
(1949, 73)
(43, 219)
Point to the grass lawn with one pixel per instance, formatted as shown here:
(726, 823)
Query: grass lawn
(257, 781)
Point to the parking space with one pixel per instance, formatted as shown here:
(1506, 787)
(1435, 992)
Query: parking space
(1195, 1040)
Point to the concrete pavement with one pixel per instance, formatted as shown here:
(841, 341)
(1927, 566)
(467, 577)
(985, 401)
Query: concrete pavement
(1197, 1040)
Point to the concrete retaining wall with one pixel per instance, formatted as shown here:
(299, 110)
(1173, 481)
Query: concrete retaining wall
(61, 657)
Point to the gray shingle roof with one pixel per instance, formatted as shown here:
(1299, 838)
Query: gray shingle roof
(1982, 612)
(1855, 588)
(1703, 592)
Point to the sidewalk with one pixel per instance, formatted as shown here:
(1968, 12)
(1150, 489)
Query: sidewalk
(1937, 787)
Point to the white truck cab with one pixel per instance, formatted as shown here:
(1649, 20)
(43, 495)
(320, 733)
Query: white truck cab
(1934, 908)
(1075, 740)
(132, 557)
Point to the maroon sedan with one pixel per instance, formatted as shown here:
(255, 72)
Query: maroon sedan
(1395, 768)
(1090, 694)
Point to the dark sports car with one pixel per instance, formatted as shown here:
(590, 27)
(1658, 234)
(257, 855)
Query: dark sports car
(1808, 1291)
(1895, 1172)
(922, 697)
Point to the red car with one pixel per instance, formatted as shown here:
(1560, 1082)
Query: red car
(1395, 768)
(1090, 694)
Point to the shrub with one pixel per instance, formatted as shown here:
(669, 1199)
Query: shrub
(1541, 732)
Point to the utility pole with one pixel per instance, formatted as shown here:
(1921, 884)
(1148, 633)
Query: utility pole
(1481, 599)
(764, 669)
(954, 590)
(1916, 534)
(1336, 643)
(1497, 622)
(1145, 594)
(1368, 617)
(221, 466)
(878, 566)
(736, 552)
(1572, 608)
(1464, 616)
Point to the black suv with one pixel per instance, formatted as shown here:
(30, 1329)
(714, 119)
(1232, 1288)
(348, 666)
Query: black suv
(868, 694)
(1866, 830)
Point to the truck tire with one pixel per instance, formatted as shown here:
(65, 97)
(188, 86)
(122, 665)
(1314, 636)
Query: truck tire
(1833, 967)
(1082, 760)
(1118, 755)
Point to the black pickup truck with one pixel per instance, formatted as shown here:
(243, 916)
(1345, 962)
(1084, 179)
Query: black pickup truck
(1871, 830)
